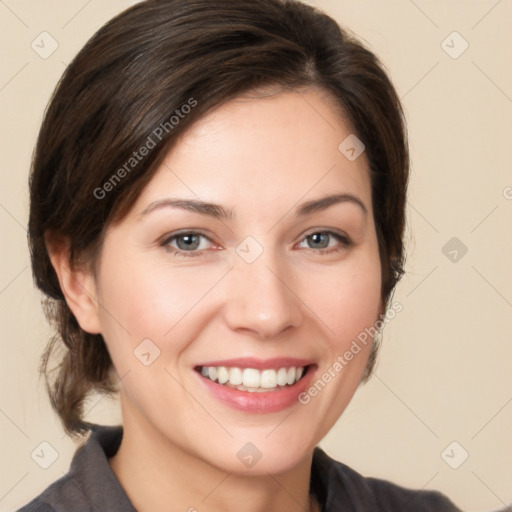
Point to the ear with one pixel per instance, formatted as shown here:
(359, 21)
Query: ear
(76, 282)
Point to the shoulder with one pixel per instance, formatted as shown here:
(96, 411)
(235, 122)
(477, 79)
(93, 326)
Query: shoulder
(401, 498)
(90, 485)
(61, 493)
(36, 505)
(339, 485)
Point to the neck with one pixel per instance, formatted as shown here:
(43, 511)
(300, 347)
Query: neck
(155, 472)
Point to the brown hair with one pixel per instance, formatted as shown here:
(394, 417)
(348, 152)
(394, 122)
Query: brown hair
(140, 81)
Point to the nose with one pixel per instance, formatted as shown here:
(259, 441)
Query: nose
(261, 299)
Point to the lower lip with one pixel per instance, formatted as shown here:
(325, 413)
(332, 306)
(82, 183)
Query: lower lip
(256, 402)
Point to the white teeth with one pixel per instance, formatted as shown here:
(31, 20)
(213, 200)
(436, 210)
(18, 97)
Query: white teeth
(282, 376)
(235, 376)
(268, 379)
(222, 374)
(212, 373)
(290, 378)
(252, 380)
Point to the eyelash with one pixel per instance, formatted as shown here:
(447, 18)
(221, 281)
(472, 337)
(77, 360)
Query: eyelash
(344, 240)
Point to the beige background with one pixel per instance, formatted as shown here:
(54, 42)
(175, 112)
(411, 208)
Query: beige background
(444, 373)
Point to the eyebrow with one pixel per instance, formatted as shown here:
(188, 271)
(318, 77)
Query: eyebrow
(219, 212)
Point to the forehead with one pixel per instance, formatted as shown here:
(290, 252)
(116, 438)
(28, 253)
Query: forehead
(263, 150)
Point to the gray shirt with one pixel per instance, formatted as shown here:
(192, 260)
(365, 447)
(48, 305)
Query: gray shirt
(91, 486)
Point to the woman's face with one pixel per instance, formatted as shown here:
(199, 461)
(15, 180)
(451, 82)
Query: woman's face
(265, 281)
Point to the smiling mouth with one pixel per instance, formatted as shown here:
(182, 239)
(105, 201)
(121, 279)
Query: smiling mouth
(252, 379)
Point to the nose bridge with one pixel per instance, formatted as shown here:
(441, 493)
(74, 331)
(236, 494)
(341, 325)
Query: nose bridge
(260, 297)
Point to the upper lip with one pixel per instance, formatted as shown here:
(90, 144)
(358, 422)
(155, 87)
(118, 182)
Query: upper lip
(259, 364)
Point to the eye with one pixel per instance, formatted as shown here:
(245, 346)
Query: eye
(188, 243)
(193, 243)
(324, 242)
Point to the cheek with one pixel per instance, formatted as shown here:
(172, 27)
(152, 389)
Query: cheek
(347, 299)
(140, 301)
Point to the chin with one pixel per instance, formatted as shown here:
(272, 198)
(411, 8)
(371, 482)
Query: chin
(258, 453)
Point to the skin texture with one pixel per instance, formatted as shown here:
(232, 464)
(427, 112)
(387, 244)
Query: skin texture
(260, 157)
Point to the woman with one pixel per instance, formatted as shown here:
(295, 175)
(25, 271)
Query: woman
(217, 211)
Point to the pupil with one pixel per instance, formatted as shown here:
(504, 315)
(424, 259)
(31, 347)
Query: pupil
(316, 238)
(191, 241)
